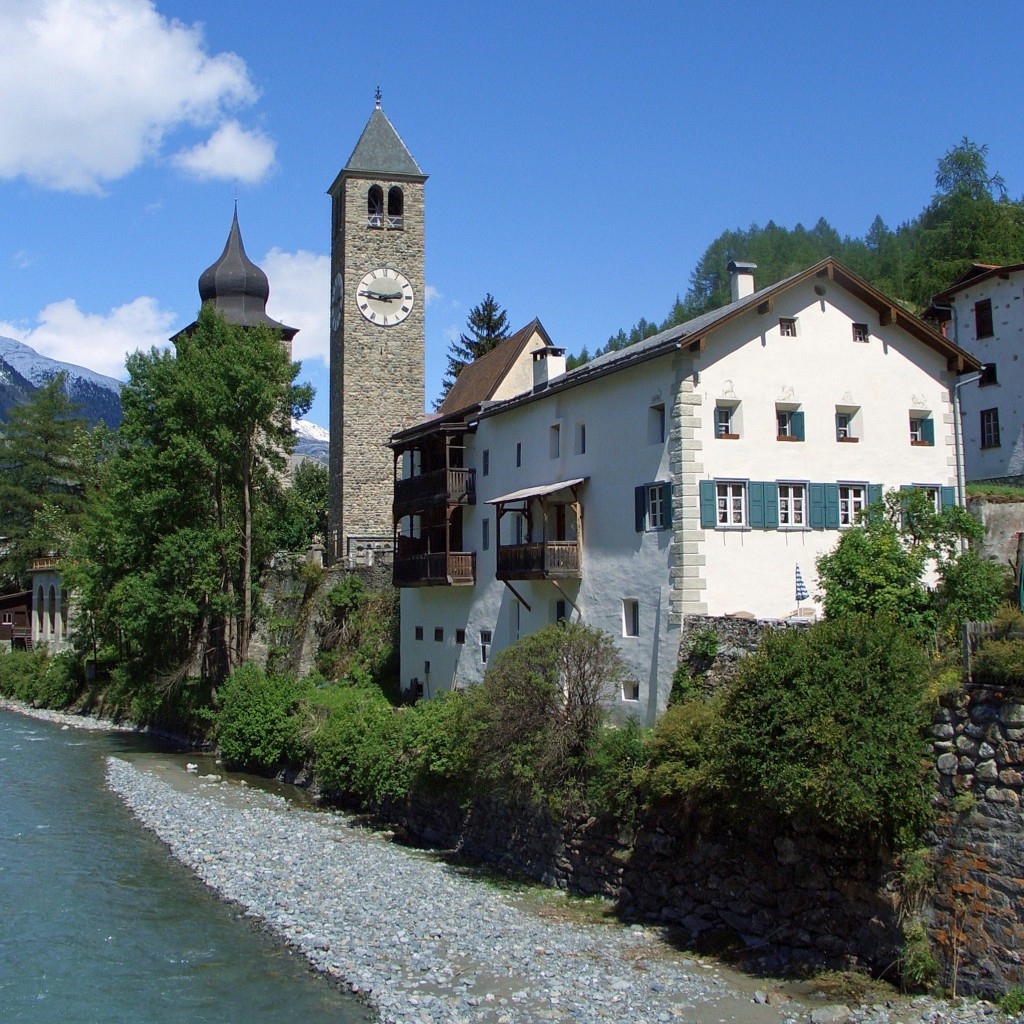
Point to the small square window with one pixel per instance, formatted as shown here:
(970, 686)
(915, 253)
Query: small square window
(789, 424)
(460, 636)
(630, 617)
(486, 462)
(554, 441)
(988, 375)
(418, 632)
(7, 619)
(519, 454)
(860, 332)
(726, 425)
(989, 428)
(983, 319)
(485, 645)
(846, 425)
(787, 327)
(922, 430)
(559, 611)
(438, 634)
(630, 690)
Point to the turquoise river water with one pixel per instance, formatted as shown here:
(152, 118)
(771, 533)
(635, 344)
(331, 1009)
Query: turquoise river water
(98, 923)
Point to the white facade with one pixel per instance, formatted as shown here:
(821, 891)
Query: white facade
(52, 620)
(679, 515)
(988, 321)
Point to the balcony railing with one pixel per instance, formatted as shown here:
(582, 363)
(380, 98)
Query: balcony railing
(438, 487)
(436, 569)
(45, 563)
(547, 560)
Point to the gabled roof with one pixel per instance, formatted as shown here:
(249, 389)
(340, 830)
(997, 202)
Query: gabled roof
(974, 274)
(381, 152)
(479, 380)
(695, 333)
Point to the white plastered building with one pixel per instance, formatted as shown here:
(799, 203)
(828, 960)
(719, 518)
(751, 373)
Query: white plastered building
(689, 474)
(983, 312)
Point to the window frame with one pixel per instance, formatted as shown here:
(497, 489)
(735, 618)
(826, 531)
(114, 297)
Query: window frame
(732, 489)
(804, 512)
(439, 634)
(485, 463)
(860, 332)
(850, 436)
(923, 435)
(417, 632)
(789, 423)
(989, 419)
(854, 505)
(634, 688)
(725, 415)
(555, 440)
(659, 494)
(989, 376)
(486, 642)
(984, 322)
(630, 618)
(787, 327)
(656, 424)
(460, 637)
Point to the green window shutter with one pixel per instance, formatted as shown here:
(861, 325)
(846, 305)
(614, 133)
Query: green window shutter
(708, 505)
(903, 516)
(928, 431)
(816, 503)
(831, 506)
(948, 495)
(667, 493)
(755, 503)
(874, 493)
(796, 424)
(771, 505)
(640, 507)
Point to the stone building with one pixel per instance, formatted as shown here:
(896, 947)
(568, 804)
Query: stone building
(377, 332)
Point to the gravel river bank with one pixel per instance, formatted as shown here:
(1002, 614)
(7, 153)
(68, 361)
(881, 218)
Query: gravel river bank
(424, 943)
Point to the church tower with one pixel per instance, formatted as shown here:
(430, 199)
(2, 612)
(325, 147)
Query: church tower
(377, 331)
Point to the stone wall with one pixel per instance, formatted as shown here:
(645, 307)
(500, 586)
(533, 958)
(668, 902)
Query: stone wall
(978, 915)
(1002, 520)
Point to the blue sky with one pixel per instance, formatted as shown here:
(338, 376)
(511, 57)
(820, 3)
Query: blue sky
(581, 156)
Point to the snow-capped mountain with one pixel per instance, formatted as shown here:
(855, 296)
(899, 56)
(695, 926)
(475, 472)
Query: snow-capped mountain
(312, 442)
(23, 370)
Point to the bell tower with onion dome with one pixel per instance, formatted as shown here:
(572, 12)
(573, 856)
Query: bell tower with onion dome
(377, 332)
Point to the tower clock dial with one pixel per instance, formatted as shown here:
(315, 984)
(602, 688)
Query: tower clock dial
(384, 297)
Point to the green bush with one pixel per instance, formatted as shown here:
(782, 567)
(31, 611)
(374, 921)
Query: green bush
(60, 684)
(441, 741)
(21, 674)
(827, 723)
(683, 763)
(917, 963)
(1012, 1001)
(616, 760)
(256, 724)
(704, 644)
(1001, 660)
(358, 749)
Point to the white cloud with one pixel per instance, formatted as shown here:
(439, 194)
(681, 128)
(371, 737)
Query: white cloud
(430, 294)
(92, 340)
(230, 153)
(89, 89)
(451, 333)
(299, 296)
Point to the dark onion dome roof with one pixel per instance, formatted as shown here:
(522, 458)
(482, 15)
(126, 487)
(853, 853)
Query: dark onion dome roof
(238, 288)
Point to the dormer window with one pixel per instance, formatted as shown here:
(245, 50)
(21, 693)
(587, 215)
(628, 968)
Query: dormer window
(375, 207)
(396, 209)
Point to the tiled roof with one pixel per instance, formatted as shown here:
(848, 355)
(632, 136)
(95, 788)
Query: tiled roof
(480, 379)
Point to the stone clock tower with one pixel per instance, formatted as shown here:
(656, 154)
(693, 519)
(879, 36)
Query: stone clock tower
(377, 331)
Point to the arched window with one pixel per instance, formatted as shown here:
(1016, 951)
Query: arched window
(40, 614)
(53, 610)
(396, 208)
(375, 207)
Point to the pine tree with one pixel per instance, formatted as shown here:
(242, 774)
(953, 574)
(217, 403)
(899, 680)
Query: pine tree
(488, 327)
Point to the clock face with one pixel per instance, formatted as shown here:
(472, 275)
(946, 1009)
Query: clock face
(384, 297)
(336, 296)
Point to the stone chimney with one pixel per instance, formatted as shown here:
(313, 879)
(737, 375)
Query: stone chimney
(548, 364)
(741, 279)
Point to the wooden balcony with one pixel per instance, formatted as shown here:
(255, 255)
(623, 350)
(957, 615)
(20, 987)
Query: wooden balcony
(45, 563)
(439, 487)
(545, 561)
(435, 569)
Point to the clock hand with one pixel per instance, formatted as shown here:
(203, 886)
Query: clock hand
(381, 296)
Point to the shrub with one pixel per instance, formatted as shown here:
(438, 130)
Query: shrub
(539, 707)
(683, 686)
(60, 684)
(827, 723)
(1012, 1001)
(21, 673)
(917, 963)
(683, 752)
(616, 759)
(1001, 660)
(441, 741)
(971, 589)
(704, 644)
(256, 723)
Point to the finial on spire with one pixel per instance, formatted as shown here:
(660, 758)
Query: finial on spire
(377, 97)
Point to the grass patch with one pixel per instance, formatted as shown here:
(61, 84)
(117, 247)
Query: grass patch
(995, 492)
